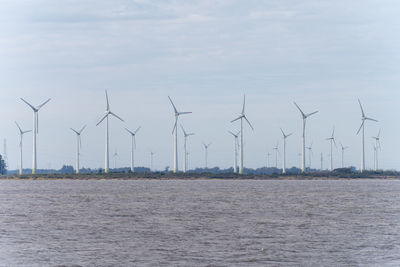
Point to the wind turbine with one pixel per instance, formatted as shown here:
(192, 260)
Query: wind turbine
(309, 154)
(21, 133)
(363, 118)
(107, 154)
(304, 116)
(241, 117)
(284, 150)
(331, 139)
(377, 145)
(115, 156)
(268, 155)
(276, 154)
(133, 146)
(343, 149)
(206, 151)
(174, 130)
(78, 146)
(235, 150)
(186, 135)
(35, 130)
(151, 160)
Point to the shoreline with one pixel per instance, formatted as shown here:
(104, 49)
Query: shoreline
(203, 176)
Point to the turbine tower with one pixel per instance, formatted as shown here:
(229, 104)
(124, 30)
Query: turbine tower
(235, 150)
(363, 118)
(174, 130)
(21, 133)
(377, 146)
(107, 154)
(331, 139)
(309, 155)
(206, 152)
(78, 146)
(276, 154)
(284, 150)
(304, 116)
(322, 161)
(151, 160)
(133, 146)
(241, 117)
(35, 130)
(186, 135)
(343, 149)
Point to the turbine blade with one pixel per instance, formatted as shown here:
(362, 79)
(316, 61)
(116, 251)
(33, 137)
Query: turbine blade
(362, 111)
(137, 130)
(82, 129)
(18, 127)
(24, 132)
(241, 116)
(176, 111)
(334, 143)
(379, 133)
(370, 119)
(28, 104)
(232, 133)
(289, 135)
(362, 124)
(244, 103)
(108, 104)
(115, 115)
(302, 113)
(248, 122)
(284, 136)
(44, 103)
(312, 113)
(183, 113)
(102, 119)
(75, 131)
(129, 131)
(184, 133)
(80, 141)
(134, 142)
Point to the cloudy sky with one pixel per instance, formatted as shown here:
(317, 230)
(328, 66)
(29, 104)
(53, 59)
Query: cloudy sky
(205, 55)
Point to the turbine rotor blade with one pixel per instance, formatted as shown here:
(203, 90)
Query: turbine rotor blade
(26, 102)
(82, 129)
(183, 113)
(108, 104)
(137, 130)
(241, 116)
(175, 125)
(370, 119)
(129, 131)
(75, 131)
(248, 122)
(312, 113)
(44, 103)
(102, 119)
(244, 103)
(184, 133)
(302, 113)
(115, 115)
(362, 111)
(18, 127)
(362, 124)
(176, 111)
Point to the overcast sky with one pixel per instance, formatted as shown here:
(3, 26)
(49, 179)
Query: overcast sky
(205, 55)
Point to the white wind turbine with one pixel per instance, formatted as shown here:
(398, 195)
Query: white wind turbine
(151, 160)
(268, 155)
(107, 154)
(377, 146)
(363, 118)
(206, 152)
(284, 150)
(276, 154)
(21, 133)
(174, 130)
(343, 149)
(331, 139)
(309, 154)
(133, 146)
(304, 116)
(241, 117)
(78, 146)
(35, 131)
(235, 150)
(186, 135)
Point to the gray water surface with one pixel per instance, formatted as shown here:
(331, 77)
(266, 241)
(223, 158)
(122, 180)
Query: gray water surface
(199, 223)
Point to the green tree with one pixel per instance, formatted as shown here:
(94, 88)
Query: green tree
(3, 167)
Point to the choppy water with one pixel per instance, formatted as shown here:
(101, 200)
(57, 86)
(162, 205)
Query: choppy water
(198, 223)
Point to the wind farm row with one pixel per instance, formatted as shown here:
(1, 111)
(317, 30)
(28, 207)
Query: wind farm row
(238, 140)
